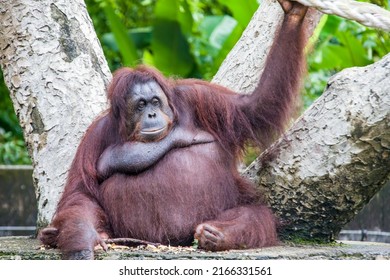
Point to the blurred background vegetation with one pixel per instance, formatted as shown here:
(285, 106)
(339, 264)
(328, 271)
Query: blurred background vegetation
(191, 39)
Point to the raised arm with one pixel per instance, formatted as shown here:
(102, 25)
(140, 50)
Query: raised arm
(271, 104)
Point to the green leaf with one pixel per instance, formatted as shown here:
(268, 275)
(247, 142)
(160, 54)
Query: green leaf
(169, 46)
(147, 58)
(217, 29)
(171, 51)
(175, 10)
(356, 54)
(125, 45)
(332, 57)
(331, 26)
(208, 25)
(228, 44)
(218, 35)
(223, 31)
(141, 37)
(341, 47)
(242, 10)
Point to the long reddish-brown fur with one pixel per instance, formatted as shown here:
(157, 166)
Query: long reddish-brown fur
(190, 186)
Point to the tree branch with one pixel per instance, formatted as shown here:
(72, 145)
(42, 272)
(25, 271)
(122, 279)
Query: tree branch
(334, 158)
(57, 75)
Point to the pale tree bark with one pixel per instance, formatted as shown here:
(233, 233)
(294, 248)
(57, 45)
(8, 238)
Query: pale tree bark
(334, 158)
(57, 74)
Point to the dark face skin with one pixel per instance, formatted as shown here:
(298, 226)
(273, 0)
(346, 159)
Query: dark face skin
(151, 117)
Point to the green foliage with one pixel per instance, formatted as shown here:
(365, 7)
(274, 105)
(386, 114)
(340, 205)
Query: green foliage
(13, 149)
(125, 44)
(341, 44)
(242, 10)
(216, 37)
(180, 37)
(8, 119)
(169, 48)
(113, 21)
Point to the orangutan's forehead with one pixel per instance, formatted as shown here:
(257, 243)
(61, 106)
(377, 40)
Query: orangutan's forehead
(147, 89)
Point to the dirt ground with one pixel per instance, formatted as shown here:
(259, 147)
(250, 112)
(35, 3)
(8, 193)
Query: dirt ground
(25, 248)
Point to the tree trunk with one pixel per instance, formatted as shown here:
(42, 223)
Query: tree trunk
(334, 158)
(57, 75)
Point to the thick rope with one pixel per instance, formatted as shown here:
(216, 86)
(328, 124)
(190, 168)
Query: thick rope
(365, 13)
